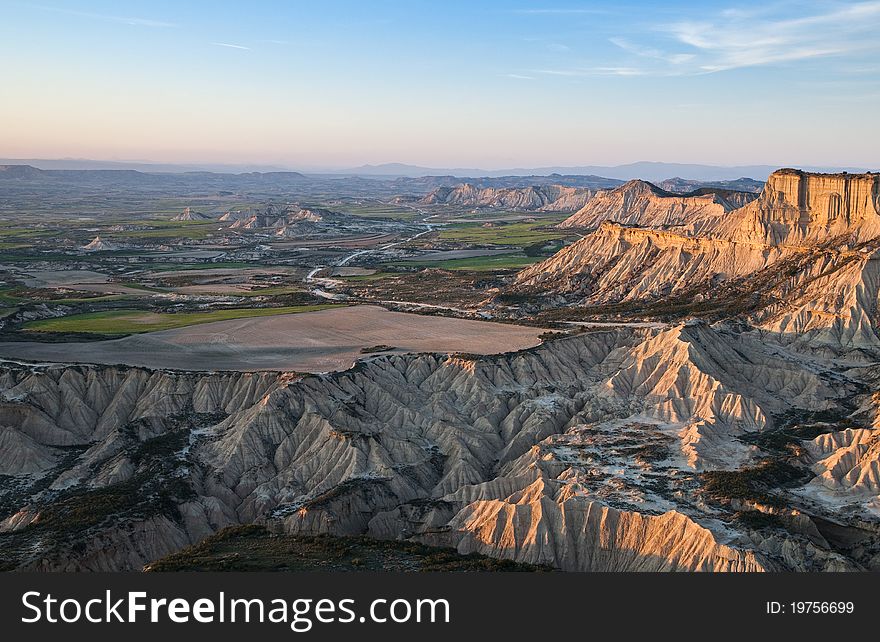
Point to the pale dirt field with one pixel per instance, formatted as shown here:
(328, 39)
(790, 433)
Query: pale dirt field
(219, 272)
(79, 280)
(323, 341)
(216, 288)
(61, 278)
(341, 241)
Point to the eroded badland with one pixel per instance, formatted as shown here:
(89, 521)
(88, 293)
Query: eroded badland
(571, 372)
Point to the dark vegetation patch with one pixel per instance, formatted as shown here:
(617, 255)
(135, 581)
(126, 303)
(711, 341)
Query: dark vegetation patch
(254, 548)
(757, 519)
(651, 453)
(379, 348)
(430, 285)
(342, 489)
(797, 426)
(758, 483)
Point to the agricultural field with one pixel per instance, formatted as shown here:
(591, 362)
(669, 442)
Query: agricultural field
(510, 261)
(136, 321)
(521, 233)
(323, 340)
(380, 210)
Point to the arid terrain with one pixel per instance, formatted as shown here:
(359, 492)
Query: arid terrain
(560, 372)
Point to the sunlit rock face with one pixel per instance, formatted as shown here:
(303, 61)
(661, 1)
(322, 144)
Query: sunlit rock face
(639, 203)
(799, 207)
(800, 261)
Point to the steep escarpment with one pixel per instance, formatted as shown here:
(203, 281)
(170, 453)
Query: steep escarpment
(585, 453)
(551, 198)
(797, 207)
(640, 203)
(618, 263)
(799, 261)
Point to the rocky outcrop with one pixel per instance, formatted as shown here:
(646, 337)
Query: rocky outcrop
(618, 263)
(98, 244)
(799, 262)
(189, 215)
(544, 523)
(549, 198)
(639, 203)
(798, 208)
(732, 187)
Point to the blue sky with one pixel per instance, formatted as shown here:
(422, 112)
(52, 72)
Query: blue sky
(488, 84)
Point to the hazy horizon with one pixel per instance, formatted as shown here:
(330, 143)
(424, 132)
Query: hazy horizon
(454, 85)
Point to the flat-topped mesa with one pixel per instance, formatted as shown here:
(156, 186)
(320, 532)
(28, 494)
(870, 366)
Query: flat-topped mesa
(799, 207)
(644, 204)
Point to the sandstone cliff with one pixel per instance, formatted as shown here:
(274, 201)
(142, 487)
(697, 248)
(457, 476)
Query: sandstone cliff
(799, 261)
(798, 208)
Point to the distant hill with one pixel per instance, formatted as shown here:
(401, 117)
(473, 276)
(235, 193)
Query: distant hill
(20, 172)
(640, 203)
(189, 215)
(551, 198)
(645, 170)
(683, 186)
(429, 183)
(145, 166)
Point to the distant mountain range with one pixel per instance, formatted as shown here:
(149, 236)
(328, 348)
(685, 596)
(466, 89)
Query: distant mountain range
(139, 166)
(645, 170)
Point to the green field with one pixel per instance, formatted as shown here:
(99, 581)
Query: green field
(512, 261)
(504, 234)
(377, 276)
(137, 321)
(380, 210)
(166, 229)
(173, 267)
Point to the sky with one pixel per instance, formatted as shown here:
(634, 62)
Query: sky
(442, 84)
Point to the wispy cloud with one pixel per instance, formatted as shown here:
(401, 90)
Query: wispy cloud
(127, 20)
(739, 38)
(560, 12)
(558, 47)
(230, 45)
(652, 52)
(593, 71)
(517, 76)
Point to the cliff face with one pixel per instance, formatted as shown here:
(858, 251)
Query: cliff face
(797, 207)
(618, 263)
(551, 198)
(800, 261)
(643, 204)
